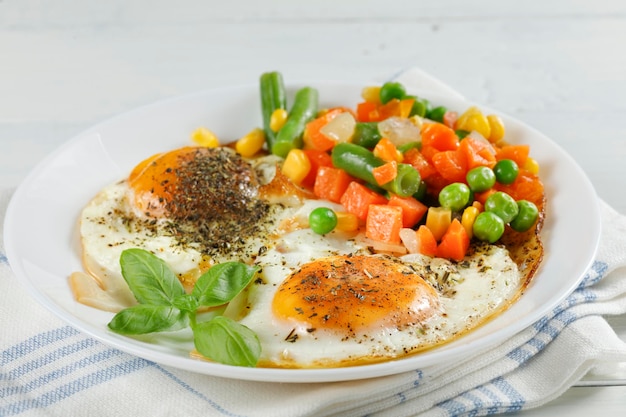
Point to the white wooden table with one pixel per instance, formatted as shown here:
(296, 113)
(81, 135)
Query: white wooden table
(560, 66)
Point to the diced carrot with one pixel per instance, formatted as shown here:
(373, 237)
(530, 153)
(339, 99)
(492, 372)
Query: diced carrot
(482, 197)
(454, 243)
(412, 209)
(405, 107)
(477, 153)
(331, 183)
(386, 150)
(527, 186)
(428, 152)
(451, 165)
(438, 220)
(426, 243)
(435, 183)
(418, 161)
(338, 110)
(389, 109)
(386, 172)
(518, 153)
(396, 108)
(383, 223)
(357, 199)
(439, 136)
(317, 159)
(367, 111)
(314, 138)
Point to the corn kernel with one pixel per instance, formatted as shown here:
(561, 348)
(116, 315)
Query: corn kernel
(416, 120)
(251, 143)
(296, 166)
(438, 220)
(278, 119)
(474, 120)
(497, 128)
(531, 166)
(467, 219)
(204, 137)
(347, 222)
(371, 94)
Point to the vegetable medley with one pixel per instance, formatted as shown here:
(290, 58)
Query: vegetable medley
(415, 177)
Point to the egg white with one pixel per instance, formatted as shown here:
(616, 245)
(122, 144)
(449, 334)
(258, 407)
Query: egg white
(109, 224)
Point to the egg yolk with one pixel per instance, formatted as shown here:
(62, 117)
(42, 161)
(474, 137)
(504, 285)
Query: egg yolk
(194, 182)
(155, 180)
(353, 294)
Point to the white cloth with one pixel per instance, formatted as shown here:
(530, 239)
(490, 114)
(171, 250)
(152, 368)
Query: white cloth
(48, 368)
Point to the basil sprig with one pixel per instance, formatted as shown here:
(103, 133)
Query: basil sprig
(165, 306)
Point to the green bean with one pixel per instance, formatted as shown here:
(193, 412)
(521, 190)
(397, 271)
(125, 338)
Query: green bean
(304, 109)
(366, 134)
(406, 183)
(273, 97)
(359, 162)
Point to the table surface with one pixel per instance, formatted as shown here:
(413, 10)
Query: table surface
(559, 66)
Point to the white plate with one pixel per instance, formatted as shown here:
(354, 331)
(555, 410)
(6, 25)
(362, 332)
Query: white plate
(42, 243)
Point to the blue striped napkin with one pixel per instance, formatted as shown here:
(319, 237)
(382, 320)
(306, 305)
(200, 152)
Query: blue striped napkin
(49, 368)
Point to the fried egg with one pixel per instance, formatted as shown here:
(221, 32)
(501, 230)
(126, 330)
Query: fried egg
(324, 303)
(193, 207)
(318, 300)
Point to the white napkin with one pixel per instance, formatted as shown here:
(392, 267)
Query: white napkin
(49, 368)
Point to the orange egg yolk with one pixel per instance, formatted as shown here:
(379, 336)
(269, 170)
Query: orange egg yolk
(155, 180)
(353, 294)
(196, 183)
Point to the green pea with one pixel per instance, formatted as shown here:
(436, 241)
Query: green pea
(480, 179)
(437, 114)
(503, 205)
(488, 227)
(506, 171)
(322, 220)
(391, 90)
(527, 216)
(421, 106)
(454, 196)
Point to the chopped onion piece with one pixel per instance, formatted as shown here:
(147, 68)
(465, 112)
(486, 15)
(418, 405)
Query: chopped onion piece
(409, 239)
(399, 131)
(341, 128)
(381, 247)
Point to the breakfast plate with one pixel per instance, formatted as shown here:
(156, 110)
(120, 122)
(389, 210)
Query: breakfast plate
(43, 248)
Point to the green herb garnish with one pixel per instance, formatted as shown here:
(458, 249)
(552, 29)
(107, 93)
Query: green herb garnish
(164, 306)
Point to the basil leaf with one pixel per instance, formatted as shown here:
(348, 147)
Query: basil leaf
(186, 302)
(225, 341)
(149, 278)
(143, 318)
(222, 282)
